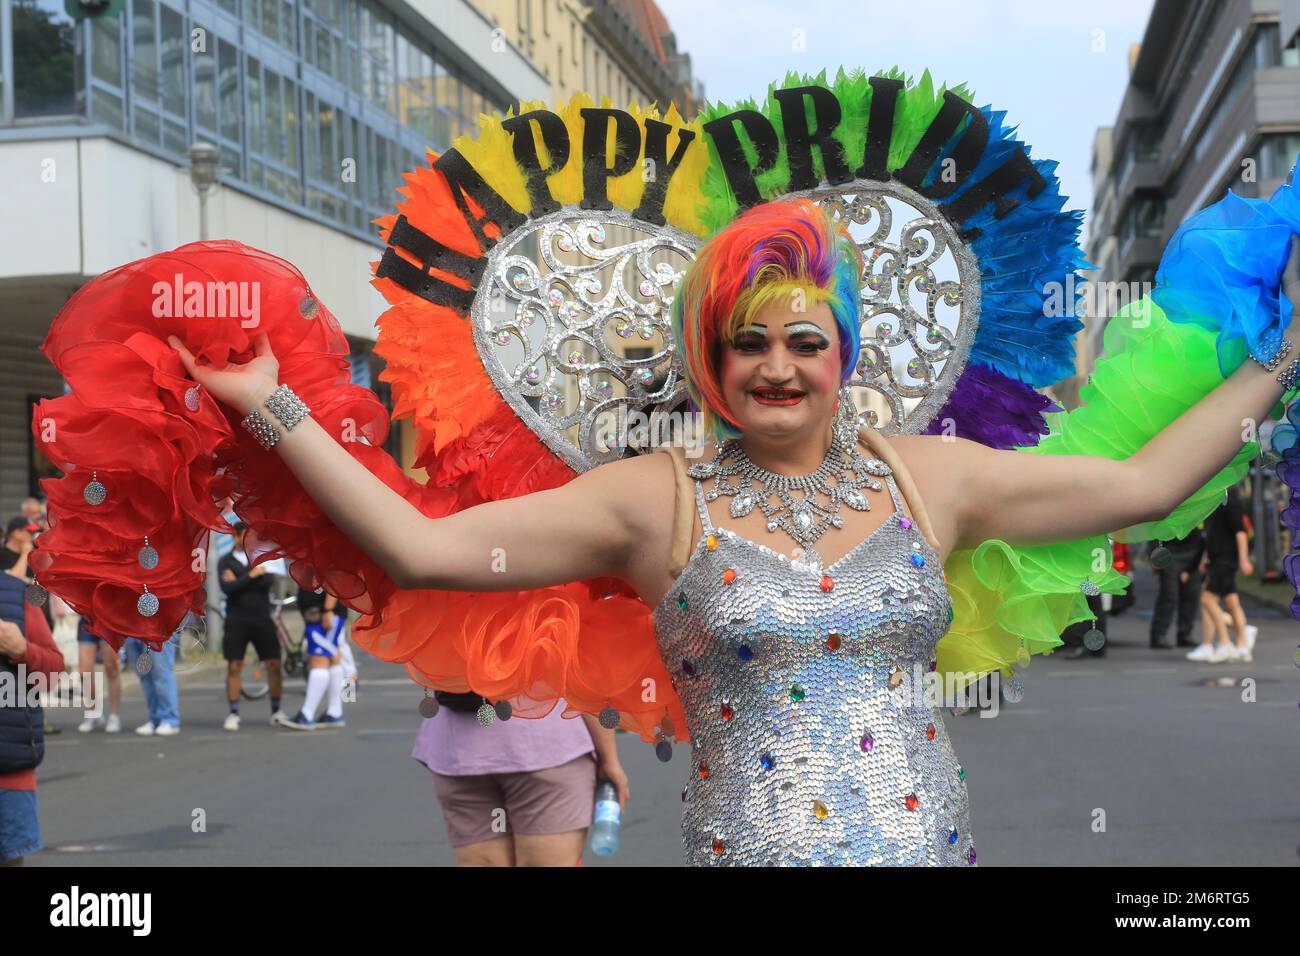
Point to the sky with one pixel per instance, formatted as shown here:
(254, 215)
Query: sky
(1059, 69)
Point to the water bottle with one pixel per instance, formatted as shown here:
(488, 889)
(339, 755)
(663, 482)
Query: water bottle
(605, 821)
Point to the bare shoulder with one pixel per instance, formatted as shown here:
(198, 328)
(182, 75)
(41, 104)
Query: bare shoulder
(641, 490)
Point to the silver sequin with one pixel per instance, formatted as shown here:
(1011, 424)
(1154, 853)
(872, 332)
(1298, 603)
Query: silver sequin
(789, 781)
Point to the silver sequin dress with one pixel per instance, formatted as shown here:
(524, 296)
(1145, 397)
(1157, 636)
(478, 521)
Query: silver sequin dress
(811, 744)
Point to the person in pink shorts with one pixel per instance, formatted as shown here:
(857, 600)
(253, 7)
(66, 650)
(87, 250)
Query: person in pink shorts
(518, 792)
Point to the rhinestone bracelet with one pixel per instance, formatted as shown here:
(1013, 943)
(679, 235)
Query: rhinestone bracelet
(1289, 375)
(287, 407)
(261, 429)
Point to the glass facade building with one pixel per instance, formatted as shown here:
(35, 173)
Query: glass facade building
(315, 105)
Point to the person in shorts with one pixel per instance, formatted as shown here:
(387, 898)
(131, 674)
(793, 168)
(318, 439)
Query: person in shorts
(518, 792)
(248, 621)
(1227, 550)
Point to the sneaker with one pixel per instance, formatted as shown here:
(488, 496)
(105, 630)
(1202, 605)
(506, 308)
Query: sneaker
(89, 724)
(328, 721)
(146, 729)
(301, 722)
(1206, 654)
(1251, 632)
(167, 730)
(232, 722)
(114, 725)
(278, 719)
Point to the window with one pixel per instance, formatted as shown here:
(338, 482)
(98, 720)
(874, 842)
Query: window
(45, 69)
(1277, 152)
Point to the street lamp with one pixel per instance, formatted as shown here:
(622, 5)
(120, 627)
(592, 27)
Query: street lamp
(205, 161)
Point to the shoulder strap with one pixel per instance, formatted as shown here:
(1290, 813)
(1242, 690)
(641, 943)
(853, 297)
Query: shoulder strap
(881, 448)
(683, 512)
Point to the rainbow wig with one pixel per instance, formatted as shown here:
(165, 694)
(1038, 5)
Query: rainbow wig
(766, 253)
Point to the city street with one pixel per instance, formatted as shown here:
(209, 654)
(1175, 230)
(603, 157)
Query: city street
(1185, 772)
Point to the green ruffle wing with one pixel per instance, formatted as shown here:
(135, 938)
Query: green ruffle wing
(1011, 602)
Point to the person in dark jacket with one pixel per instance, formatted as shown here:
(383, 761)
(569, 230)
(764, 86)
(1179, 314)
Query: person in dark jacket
(248, 621)
(26, 648)
(1179, 591)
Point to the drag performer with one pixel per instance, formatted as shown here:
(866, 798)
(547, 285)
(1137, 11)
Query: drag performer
(776, 600)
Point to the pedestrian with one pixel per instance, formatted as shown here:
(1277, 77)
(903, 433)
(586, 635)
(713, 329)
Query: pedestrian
(248, 621)
(89, 646)
(518, 792)
(26, 648)
(158, 681)
(1226, 551)
(324, 671)
(1178, 590)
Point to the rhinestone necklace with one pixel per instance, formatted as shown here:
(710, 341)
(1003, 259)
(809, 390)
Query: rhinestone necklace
(841, 477)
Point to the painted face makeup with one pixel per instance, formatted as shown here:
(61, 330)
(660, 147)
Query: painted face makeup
(800, 369)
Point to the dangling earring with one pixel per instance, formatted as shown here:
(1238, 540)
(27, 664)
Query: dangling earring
(844, 428)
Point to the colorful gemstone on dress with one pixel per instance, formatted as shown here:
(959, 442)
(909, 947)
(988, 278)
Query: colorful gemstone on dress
(961, 773)
(866, 743)
(745, 652)
(826, 583)
(711, 542)
(718, 847)
(797, 693)
(681, 600)
(729, 575)
(819, 810)
(833, 642)
(726, 712)
(687, 667)
(918, 560)
(911, 802)
(950, 613)
(704, 771)
(970, 856)
(767, 761)
(952, 836)
(929, 731)
(905, 523)
(933, 664)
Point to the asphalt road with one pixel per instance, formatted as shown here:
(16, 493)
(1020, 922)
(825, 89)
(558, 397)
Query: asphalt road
(1163, 752)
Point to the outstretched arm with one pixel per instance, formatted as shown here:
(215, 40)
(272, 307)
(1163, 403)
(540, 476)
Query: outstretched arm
(581, 530)
(1039, 499)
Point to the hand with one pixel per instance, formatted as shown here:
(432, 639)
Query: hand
(612, 771)
(258, 571)
(1183, 576)
(12, 643)
(242, 387)
(228, 575)
(1246, 568)
(327, 621)
(26, 546)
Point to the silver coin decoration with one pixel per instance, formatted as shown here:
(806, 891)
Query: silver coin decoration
(95, 492)
(1094, 640)
(1160, 557)
(192, 398)
(549, 325)
(147, 604)
(148, 557)
(664, 751)
(144, 663)
(309, 307)
(503, 709)
(485, 714)
(428, 706)
(1013, 692)
(35, 594)
(608, 718)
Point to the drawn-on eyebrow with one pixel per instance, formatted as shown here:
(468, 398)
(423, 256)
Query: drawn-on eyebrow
(757, 328)
(803, 327)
